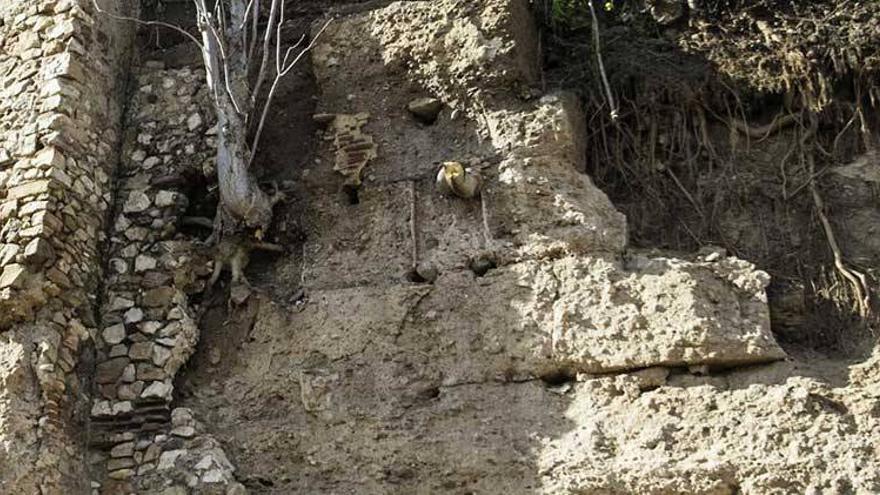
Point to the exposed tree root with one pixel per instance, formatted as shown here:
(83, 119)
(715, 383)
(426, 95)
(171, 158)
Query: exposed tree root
(858, 281)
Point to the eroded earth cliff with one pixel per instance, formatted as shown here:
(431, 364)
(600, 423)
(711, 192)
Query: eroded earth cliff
(405, 341)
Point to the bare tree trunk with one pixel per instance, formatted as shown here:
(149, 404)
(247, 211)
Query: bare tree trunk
(242, 202)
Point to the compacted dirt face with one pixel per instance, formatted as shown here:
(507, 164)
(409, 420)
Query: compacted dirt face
(595, 320)
(409, 342)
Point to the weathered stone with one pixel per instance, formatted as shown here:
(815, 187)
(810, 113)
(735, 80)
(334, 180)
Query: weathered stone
(111, 370)
(121, 474)
(123, 450)
(118, 350)
(425, 109)
(27, 189)
(130, 391)
(152, 452)
(194, 121)
(160, 355)
(167, 459)
(150, 327)
(158, 297)
(144, 263)
(13, 276)
(148, 372)
(136, 202)
(8, 253)
(183, 431)
(128, 375)
(114, 334)
(166, 198)
(38, 252)
(134, 315)
(159, 390)
(141, 351)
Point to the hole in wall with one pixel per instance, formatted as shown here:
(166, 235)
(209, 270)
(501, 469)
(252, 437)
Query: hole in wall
(555, 378)
(352, 195)
(481, 265)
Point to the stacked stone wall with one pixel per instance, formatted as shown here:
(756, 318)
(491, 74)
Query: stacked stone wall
(62, 83)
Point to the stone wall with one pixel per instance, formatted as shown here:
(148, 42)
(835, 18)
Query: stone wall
(62, 79)
(148, 326)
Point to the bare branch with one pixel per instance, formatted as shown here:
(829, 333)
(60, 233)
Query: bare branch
(597, 46)
(266, 40)
(278, 76)
(146, 23)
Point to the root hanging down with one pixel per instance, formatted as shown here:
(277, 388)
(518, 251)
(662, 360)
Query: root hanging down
(857, 280)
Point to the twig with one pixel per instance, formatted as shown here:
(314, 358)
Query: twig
(146, 23)
(597, 45)
(282, 69)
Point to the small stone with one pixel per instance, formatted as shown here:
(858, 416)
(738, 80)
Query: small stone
(213, 476)
(194, 122)
(426, 109)
(118, 350)
(137, 202)
(39, 251)
(184, 431)
(167, 459)
(121, 474)
(160, 390)
(114, 335)
(141, 351)
(166, 198)
(150, 327)
(205, 463)
(160, 355)
(148, 372)
(122, 407)
(144, 263)
(130, 391)
(151, 162)
(128, 374)
(101, 408)
(152, 453)
(134, 315)
(119, 265)
(8, 251)
(110, 371)
(118, 303)
(13, 276)
(123, 450)
(158, 297)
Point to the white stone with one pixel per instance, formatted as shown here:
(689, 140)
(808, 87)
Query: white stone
(137, 202)
(134, 315)
(144, 263)
(194, 121)
(160, 390)
(114, 335)
(122, 407)
(151, 162)
(167, 459)
(101, 408)
(165, 198)
(213, 476)
(160, 355)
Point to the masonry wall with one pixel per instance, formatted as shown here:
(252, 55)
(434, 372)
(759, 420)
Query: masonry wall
(62, 86)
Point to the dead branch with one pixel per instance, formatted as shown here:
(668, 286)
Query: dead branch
(597, 45)
(146, 23)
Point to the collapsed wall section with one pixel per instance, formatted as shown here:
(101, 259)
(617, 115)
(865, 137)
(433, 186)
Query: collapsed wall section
(62, 73)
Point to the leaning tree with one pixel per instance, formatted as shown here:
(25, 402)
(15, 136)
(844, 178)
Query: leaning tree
(242, 48)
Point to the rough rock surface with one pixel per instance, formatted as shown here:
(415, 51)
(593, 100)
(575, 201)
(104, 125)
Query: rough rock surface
(566, 365)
